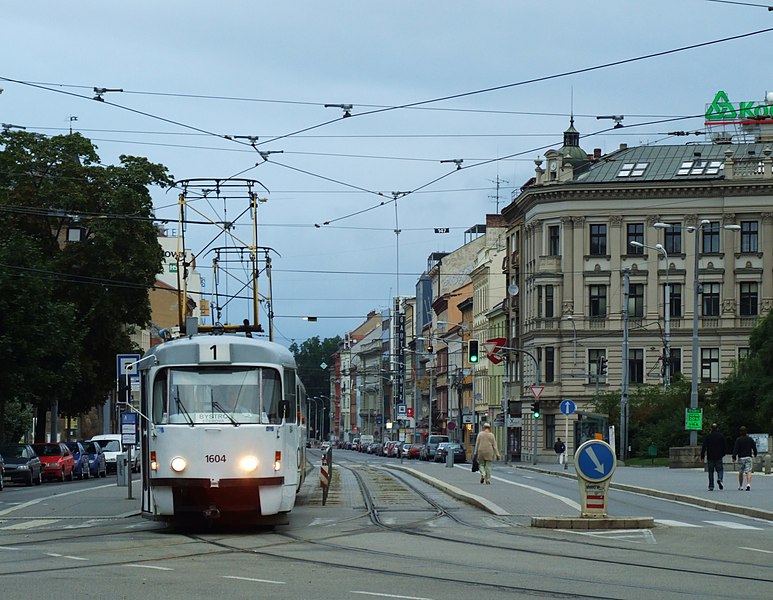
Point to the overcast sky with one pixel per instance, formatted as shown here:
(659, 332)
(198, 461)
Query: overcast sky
(492, 79)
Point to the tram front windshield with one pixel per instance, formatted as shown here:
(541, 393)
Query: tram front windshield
(198, 395)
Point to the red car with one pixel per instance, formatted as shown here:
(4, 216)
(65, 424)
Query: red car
(58, 462)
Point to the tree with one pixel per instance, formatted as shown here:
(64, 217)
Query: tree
(746, 396)
(87, 294)
(309, 357)
(655, 417)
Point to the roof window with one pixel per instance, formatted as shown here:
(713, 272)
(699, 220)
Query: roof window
(632, 169)
(701, 167)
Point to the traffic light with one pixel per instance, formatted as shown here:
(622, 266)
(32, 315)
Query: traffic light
(472, 347)
(535, 409)
(603, 367)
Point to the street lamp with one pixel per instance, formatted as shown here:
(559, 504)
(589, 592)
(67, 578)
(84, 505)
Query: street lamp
(666, 313)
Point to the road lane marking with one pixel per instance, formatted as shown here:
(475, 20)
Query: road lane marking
(389, 595)
(56, 495)
(671, 523)
(732, 525)
(29, 524)
(253, 579)
(757, 550)
(150, 567)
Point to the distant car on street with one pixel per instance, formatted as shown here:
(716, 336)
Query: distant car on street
(81, 459)
(22, 465)
(97, 465)
(57, 459)
(441, 453)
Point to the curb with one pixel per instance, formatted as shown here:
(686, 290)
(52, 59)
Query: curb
(593, 523)
(746, 511)
(482, 503)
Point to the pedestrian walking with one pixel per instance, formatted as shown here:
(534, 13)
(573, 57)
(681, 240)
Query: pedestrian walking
(486, 451)
(744, 448)
(560, 449)
(713, 450)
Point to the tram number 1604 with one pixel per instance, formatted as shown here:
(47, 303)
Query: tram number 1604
(215, 458)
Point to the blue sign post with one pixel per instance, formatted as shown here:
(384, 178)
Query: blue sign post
(129, 439)
(595, 461)
(567, 407)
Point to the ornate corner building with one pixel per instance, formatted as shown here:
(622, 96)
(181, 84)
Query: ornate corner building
(634, 242)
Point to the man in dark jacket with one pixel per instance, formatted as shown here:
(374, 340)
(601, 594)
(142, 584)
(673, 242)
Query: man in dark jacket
(714, 450)
(744, 447)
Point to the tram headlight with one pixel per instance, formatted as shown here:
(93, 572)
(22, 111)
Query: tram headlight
(178, 464)
(153, 461)
(249, 463)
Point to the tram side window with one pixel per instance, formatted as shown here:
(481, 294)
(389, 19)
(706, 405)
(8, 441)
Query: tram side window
(288, 408)
(159, 399)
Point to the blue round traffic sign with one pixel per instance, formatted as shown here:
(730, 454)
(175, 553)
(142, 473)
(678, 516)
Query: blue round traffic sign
(595, 460)
(567, 407)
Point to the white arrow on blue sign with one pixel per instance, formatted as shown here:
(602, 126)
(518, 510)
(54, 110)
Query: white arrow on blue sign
(567, 407)
(595, 460)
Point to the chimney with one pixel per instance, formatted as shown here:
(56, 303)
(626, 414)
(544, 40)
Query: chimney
(623, 146)
(596, 153)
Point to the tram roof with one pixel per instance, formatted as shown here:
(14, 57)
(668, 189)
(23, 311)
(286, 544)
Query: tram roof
(242, 349)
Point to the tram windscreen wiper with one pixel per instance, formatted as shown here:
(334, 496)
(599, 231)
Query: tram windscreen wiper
(181, 407)
(216, 405)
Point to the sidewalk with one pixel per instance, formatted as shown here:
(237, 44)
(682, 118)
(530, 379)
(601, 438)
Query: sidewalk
(684, 485)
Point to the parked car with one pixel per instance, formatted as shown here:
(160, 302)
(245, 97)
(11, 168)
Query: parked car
(415, 450)
(81, 459)
(404, 449)
(441, 454)
(97, 465)
(428, 451)
(113, 446)
(58, 462)
(2, 473)
(22, 465)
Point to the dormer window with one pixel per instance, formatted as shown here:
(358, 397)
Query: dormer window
(632, 169)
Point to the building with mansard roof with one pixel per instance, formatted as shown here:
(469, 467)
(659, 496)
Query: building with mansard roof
(593, 244)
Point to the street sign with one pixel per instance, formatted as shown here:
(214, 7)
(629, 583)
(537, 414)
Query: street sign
(693, 419)
(402, 410)
(537, 390)
(567, 407)
(129, 428)
(451, 425)
(466, 418)
(409, 412)
(126, 364)
(595, 461)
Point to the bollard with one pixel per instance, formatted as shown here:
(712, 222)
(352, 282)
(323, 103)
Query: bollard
(766, 463)
(450, 458)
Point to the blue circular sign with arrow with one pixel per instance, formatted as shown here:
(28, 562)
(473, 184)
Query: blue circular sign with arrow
(595, 460)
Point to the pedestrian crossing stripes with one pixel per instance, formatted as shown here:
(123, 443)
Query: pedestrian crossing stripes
(725, 524)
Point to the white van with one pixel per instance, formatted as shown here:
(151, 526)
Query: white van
(112, 446)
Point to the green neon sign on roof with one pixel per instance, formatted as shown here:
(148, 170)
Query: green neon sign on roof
(721, 110)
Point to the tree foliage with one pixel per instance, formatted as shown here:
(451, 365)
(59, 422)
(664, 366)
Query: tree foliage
(746, 396)
(309, 357)
(69, 305)
(656, 417)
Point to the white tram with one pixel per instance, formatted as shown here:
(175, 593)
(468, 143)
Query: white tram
(223, 433)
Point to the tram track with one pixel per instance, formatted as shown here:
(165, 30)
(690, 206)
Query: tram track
(386, 494)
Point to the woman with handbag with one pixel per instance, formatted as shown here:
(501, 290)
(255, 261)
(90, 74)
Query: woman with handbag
(485, 452)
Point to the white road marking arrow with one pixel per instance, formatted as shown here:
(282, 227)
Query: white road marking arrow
(599, 467)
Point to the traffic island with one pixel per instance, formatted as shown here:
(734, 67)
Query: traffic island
(585, 523)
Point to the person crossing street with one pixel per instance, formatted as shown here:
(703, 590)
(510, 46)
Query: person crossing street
(486, 451)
